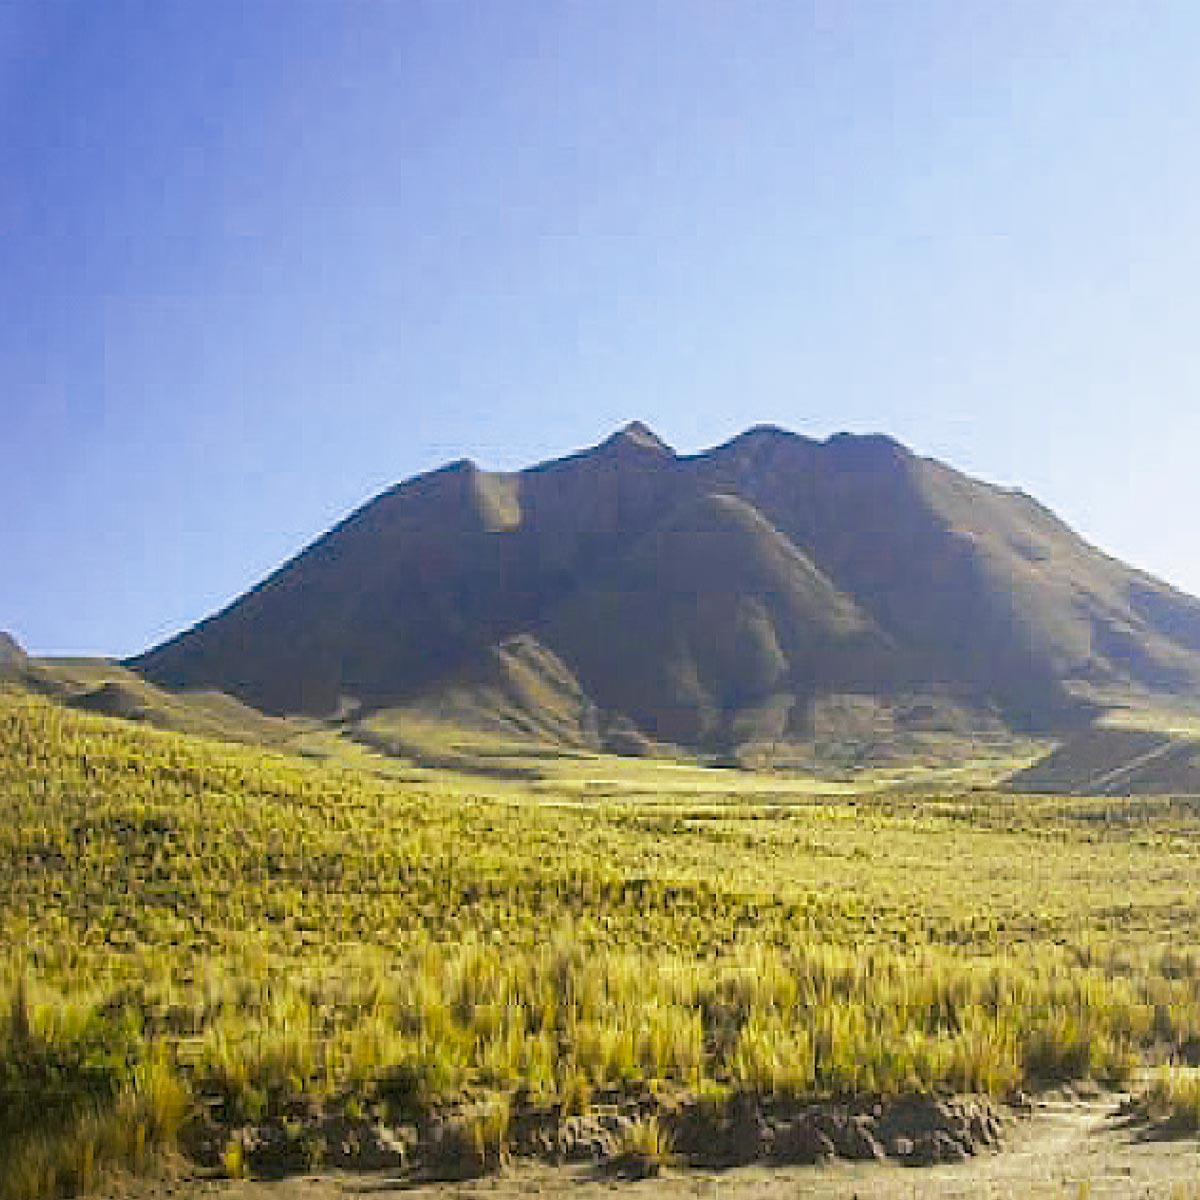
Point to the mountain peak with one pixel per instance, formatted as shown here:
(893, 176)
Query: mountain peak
(638, 435)
(767, 432)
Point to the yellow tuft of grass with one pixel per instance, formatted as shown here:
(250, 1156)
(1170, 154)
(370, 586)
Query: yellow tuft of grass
(644, 1151)
(1172, 1099)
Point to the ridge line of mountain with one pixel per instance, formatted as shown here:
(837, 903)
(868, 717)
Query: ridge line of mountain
(703, 622)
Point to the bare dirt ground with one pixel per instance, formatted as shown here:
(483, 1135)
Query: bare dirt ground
(1067, 1149)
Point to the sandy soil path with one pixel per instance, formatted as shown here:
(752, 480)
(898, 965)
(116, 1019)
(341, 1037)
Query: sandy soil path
(1065, 1150)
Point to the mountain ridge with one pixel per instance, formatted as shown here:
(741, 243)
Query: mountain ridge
(702, 598)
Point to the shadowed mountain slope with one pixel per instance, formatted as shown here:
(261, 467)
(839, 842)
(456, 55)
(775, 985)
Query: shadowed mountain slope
(716, 625)
(706, 600)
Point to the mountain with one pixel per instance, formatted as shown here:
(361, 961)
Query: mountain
(739, 595)
(12, 656)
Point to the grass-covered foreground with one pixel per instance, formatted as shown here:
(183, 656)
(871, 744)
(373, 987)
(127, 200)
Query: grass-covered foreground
(201, 936)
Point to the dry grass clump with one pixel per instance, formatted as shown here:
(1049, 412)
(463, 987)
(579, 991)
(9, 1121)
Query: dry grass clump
(645, 1149)
(476, 1143)
(198, 927)
(78, 1150)
(1172, 1099)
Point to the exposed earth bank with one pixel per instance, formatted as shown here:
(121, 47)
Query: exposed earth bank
(1066, 1147)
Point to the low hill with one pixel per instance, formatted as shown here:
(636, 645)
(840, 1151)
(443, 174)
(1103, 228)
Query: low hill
(742, 595)
(518, 687)
(1106, 761)
(102, 686)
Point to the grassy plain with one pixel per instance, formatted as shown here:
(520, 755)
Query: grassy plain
(194, 926)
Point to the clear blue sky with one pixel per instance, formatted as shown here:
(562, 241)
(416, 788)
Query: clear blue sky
(260, 260)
